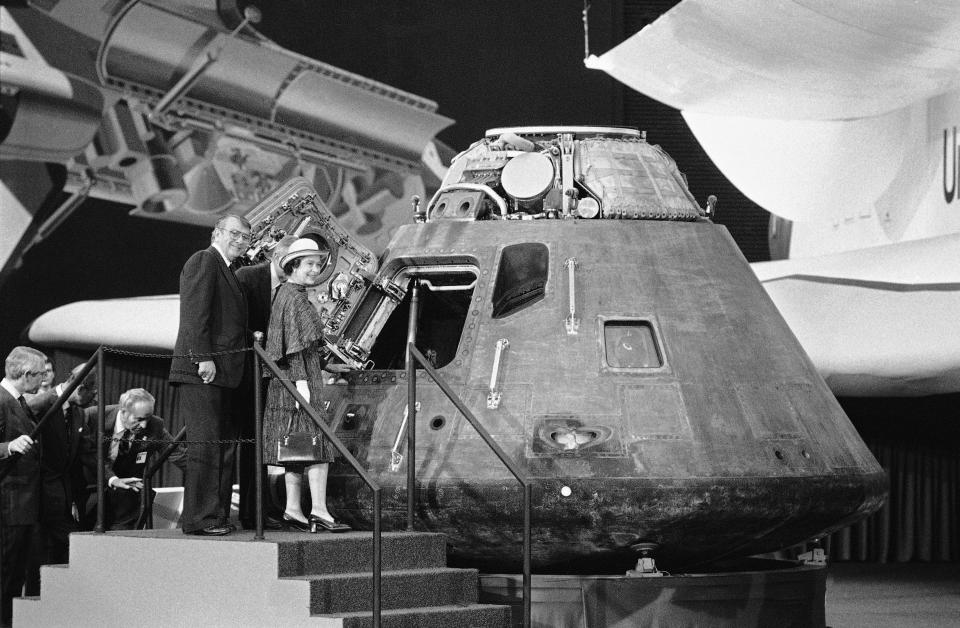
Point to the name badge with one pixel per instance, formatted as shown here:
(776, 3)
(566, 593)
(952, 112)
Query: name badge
(141, 457)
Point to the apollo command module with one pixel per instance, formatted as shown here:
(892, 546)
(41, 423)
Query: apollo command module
(610, 337)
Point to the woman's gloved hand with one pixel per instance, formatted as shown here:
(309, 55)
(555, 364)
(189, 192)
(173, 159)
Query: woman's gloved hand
(304, 390)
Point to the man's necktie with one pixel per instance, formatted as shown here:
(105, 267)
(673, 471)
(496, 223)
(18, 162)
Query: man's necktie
(125, 439)
(26, 408)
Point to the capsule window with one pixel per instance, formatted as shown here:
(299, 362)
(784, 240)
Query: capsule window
(521, 278)
(630, 344)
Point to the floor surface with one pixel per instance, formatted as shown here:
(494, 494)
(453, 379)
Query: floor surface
(895, 595)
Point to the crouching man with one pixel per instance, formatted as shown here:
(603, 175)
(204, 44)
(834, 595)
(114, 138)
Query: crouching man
(131, 434)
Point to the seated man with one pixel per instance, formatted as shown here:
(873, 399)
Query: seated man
(131, 434)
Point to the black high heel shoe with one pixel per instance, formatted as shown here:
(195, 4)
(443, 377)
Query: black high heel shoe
(295, 524)
(319, 523)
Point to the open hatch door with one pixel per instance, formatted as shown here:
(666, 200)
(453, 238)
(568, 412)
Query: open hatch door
(295, 209)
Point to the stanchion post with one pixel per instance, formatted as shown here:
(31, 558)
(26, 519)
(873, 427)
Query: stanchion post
(145, 506)
(526, 554)
(412, 403)
(258, 433)
(377, 560)
(101, 410)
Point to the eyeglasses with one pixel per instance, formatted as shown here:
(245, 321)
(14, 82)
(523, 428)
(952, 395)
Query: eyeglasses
(237, 235)
(141, 420)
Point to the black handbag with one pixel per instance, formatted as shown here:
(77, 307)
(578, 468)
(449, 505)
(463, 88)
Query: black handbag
(299, 446)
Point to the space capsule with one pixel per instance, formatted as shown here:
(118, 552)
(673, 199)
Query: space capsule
(609, 336)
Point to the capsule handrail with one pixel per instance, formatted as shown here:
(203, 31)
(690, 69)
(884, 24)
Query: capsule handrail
(518, 473)
(328, 432)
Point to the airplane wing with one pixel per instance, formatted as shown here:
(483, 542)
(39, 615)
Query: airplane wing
(880, 321)
(111, 322)
(793, 59)
(840, 118)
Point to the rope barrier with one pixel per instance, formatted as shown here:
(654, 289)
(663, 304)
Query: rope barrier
(188, 356)
(185, 442)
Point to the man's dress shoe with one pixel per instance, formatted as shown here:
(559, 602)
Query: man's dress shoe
(213, 530)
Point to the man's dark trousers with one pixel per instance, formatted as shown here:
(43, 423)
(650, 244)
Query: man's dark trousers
(208, 464)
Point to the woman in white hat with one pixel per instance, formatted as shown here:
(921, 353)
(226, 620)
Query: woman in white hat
(292, 342)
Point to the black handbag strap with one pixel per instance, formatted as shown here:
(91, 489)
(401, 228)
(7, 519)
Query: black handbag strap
(300, 409)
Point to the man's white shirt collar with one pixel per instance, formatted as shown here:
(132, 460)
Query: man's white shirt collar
(222, 255)
(118, 425)
(275, 279)
(6, 383)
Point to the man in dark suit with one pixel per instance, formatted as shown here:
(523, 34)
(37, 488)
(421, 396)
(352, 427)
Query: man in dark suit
(63, 482)
(208, 368)
(20, 466)
(134, 433)
(260, 284)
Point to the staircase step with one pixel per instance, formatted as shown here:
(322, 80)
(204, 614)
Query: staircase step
(407, 588)
(467, 616)
(303, 554)
(233, 581)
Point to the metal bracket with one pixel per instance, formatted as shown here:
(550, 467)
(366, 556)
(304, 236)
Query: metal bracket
(475, 187)
(493, 398)
(203, 61)
(815, 556)
(646, 565)
(392, 289)
(566, 174)
(646, 568)
(66, 209)
(572, 322)
(347, 359)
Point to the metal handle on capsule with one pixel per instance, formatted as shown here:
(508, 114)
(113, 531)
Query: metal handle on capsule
(493, 398)
(396, 458)
(572, 322)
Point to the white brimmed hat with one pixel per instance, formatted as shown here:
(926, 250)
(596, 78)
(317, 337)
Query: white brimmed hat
(301, 248)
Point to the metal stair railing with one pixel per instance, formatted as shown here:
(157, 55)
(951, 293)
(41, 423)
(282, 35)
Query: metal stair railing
(146, 503)
(261, 358)
(417, 357)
